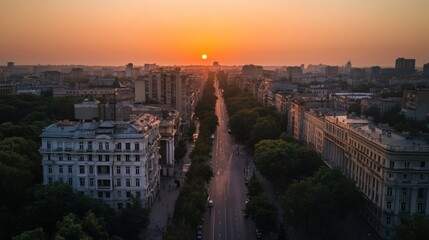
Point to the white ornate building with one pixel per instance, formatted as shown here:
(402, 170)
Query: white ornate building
(111, 161)
(391, 170)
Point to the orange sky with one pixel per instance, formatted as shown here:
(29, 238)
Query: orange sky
(166, 32)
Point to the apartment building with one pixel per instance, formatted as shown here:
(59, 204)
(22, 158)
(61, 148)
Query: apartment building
(111, 161)
(391, 170)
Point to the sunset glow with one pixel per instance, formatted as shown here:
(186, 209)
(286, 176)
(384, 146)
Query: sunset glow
(204, 57)
(273, 32)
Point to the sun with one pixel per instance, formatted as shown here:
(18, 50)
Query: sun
(204, 56)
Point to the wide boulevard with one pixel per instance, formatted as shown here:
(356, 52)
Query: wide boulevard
(227, 190)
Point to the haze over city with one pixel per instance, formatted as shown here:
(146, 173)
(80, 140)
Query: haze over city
(239, 32)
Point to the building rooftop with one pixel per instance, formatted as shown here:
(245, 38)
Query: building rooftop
(387, 139)
(67, 129)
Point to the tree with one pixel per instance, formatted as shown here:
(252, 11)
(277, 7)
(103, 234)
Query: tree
(327, 193)
(263, 213)
(94, 227)
(264, 128)
(130, 220)
(70, 229)
(35, 234)
(418, 228)
(276, 160)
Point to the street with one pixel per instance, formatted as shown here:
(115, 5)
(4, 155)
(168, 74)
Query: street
(227, 189)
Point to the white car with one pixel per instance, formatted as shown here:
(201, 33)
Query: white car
(210, 203)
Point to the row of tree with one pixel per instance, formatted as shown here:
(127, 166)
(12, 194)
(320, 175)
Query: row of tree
(192, 200)
(309, 191)
(29, 210)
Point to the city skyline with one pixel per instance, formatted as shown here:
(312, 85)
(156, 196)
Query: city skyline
(233, 33)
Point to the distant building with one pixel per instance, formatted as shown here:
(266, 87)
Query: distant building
(129, 70)
(53, 76)
(331, 71)
(10, 65)
(110, 161)
(426, 70)
(147, 67)
(97, 81)
(358, 73)
(348, 67)
(415, 104)
(7, 89)
(375, 71)
(405, 66)
(216, 64)
(252, 71)
(294, 72)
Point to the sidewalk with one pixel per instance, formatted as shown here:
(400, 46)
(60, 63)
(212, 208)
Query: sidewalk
(162, 209)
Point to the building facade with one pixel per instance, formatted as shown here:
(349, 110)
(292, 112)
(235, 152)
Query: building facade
(391, 170)
(111, 161)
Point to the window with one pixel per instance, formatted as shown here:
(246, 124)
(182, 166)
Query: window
(48, 145)
(137, 170)
(71, 181)
(136, 146)
(127, 170)
(127, 158)
(91, 182)
(81, 158)
(70, 169)
(100, 194)
(60, 158)
(89, 145)
(137, 182)
(100, 146)
(391, 175)
(388, 220)
(107, 194)
(422, 164)
(90, 158)
(69, 158)
(128, 182)
(421, 193)
(118, 158)
(91, 169)
(389, 205)
(49, 181)
(392, 164)
(80, 145)
(118, 182)
(60, 168)
(389, 191)
(128, 194)
(403, 206)
(420, 208)
(137, 158)
(82, 182)
(407, 164)
(405, 176)
(138, 194)
(119, 194)
(61, 179)
(404, 192)
(100, 158)
(118, 169)
(49, 168)
(106, 145)
(127, 146)
(82, 169)
(119, 146)
(107, 158)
